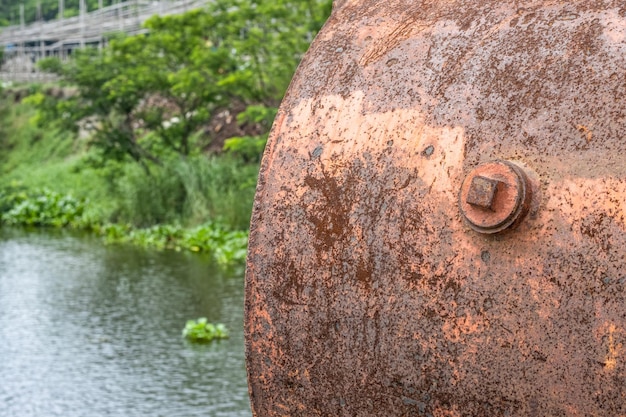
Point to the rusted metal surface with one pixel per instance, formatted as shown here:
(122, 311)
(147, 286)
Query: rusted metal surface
(367, 291)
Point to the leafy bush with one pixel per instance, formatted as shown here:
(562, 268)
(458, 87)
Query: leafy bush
(258, 114)
(248, 148)
(201, 331)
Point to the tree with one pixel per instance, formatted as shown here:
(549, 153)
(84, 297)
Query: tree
(145, 96)
(269, 36)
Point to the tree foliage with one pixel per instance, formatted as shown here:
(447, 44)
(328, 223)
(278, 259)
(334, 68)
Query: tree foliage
(149, 95)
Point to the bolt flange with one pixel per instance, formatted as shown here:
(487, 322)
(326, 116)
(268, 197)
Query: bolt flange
(495, 196)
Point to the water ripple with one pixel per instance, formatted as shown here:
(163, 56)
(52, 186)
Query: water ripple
(89, 330)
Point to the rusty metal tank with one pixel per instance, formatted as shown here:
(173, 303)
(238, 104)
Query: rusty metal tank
(440, 222)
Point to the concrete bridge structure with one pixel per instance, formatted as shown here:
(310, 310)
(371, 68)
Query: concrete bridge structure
(24, 44)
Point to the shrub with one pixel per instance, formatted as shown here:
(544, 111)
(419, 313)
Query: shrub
(248, 148)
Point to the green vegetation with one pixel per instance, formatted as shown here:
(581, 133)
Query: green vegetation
(226, 246)
(19, 206)
(41, 208)
(201, 331)
(146, 97)
(156, 139)
(210, 195)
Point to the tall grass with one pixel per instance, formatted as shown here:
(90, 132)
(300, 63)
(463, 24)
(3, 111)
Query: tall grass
(188, 191)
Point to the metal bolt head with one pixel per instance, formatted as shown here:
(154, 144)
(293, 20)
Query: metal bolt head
(495, 196)
(482, 192)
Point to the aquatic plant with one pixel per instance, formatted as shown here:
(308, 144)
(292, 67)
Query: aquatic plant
(201, 331)
(227, 246)
(47, 208)
(41, 208)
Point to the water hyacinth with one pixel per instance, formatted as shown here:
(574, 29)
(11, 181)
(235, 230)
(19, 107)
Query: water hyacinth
(201, 331)
(40, 208)
(228, 247)
(47, 208)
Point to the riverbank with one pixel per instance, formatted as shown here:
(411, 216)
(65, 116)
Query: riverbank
(50, 178)
(156, 140)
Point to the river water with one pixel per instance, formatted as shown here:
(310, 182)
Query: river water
(93, 330)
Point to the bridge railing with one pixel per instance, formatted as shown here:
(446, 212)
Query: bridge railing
(24, 45)
(126, 17)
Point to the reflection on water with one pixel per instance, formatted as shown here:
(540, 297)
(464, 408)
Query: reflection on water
(94, 330)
